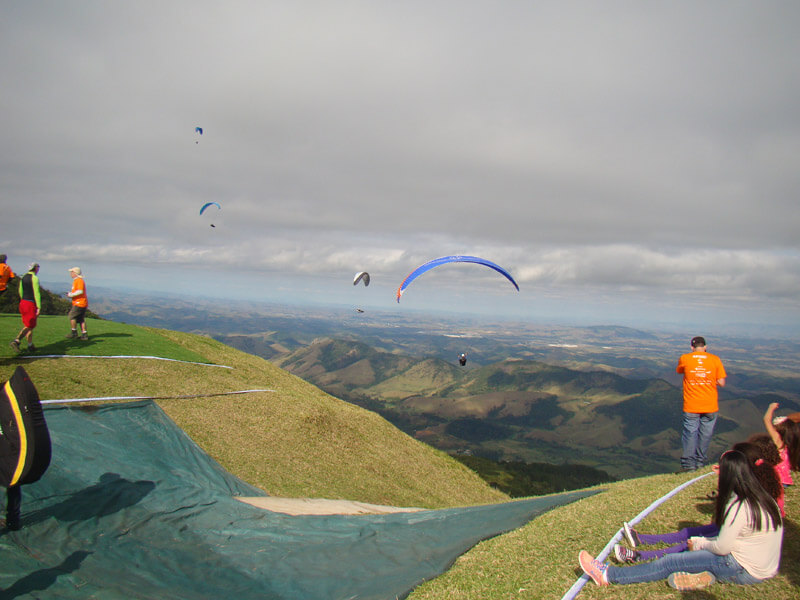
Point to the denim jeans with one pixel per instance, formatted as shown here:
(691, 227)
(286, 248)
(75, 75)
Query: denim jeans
(697, 431)
(725, 568)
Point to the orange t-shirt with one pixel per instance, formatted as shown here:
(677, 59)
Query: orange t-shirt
(5, 274)
(700, 373)
(79, 285)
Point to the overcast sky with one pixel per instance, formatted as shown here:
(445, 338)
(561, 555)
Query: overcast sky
(626, 161)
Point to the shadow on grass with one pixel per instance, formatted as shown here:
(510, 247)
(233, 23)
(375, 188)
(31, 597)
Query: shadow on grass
(706, 506)
(63, 346)
(790, 554)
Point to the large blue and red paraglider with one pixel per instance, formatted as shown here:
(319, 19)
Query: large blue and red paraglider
(448, 259)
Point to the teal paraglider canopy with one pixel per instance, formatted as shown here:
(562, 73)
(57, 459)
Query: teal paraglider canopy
(448, 259)
(207, 204)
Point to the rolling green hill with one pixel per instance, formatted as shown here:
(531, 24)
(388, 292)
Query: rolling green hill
(295, 441)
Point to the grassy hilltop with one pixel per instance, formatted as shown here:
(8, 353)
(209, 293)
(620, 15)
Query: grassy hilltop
(294, 441)
(300, 441)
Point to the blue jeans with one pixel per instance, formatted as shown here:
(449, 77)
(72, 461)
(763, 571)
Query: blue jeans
(697, 431)
(725, 568)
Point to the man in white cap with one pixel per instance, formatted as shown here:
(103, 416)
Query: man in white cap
(77, 314)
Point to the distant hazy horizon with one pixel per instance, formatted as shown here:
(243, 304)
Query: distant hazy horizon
(547, 314)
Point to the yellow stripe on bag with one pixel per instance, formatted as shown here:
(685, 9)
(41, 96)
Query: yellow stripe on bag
(23, 438)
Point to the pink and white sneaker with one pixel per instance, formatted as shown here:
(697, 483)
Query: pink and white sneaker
(593, 568)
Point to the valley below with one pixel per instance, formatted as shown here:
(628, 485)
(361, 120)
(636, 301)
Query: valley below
(605, 396)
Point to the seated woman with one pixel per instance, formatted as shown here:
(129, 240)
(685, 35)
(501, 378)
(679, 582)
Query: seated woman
(747, 549)
(763, 458)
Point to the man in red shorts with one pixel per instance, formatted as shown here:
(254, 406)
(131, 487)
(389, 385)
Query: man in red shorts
(30, 302)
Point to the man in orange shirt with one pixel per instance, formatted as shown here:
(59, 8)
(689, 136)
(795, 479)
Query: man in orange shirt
(80, 302)
(6, 274)
(702, 373)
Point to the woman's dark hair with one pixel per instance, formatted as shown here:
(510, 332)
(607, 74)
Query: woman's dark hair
(736, 478)
(790, 434)
(769, 452)
(763, 456)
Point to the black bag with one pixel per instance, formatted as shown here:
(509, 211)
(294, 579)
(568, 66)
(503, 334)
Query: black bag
(25, 448)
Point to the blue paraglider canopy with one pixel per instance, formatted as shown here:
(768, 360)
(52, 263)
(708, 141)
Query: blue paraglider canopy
(448, 259)
(199, 130)
(207, 204)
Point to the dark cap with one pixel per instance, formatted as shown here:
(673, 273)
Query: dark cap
(698, 341)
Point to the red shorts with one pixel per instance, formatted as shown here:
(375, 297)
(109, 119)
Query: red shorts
(28, 311)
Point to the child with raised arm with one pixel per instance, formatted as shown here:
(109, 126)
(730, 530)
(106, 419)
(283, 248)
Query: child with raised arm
(785, 434)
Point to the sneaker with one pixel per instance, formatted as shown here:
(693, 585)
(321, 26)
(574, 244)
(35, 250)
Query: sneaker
(625, 555)
(31, 348)
(14, 344)
(631, 535)
(85, 336)
(72, 334)
(593, 568)
(685, 582)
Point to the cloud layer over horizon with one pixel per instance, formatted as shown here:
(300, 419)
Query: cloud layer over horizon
(648, 152)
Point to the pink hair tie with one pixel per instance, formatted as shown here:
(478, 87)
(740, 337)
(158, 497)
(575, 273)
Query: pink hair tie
(759, 462)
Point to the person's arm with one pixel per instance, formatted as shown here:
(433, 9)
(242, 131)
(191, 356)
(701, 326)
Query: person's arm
(76, 291)
(36, 293)
(773, 433)
(680, 367)
(724, 543)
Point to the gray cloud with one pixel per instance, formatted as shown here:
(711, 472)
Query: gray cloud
(647, 148)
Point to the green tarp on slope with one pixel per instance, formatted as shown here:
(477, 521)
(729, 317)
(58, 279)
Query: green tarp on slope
(132, 508)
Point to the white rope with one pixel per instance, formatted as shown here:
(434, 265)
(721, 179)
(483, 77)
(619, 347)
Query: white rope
(68, 400)
(578, 585)
(188, 362)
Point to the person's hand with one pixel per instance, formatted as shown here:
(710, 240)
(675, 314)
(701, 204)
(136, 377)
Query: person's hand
(690, 544)
(715, 469)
